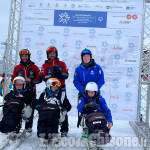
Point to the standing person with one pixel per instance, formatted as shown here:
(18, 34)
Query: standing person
(31, 73)
(2, 85)
(88, 71)
(53, 67)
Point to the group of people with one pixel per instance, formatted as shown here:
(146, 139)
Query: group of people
(53, 104)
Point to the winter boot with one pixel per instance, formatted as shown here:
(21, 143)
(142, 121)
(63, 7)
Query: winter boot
(85, 133)
(64, 134)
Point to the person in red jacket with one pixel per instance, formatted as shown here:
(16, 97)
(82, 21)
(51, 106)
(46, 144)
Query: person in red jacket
(32, 75)
(54, 68)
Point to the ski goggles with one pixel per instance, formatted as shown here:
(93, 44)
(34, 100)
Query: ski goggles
(18, 82)
(56, 83)
(86, 51)
(24, 52)
(51, 49)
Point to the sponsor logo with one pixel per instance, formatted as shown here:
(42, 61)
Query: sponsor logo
(27, 42)
(91, 46)
(124, 22)
(92, 72)
(66, 32)
(104, 45)
(130, 61)
(48, 5)
(128, 85)
(31, 5)
(114, 97)
(128, 16)
(39, 55)
(128, 96)
(73, 5)
(41, 30)
(64, 18)
(131, 46)
(117, 57)
(65, 56)
(129, 72)
(134, 17)
(114, 107)
(37, 18)
(92, 33)
(102, 92)
(115, 7)
(118, 34)
(78, 44)
(77, 58)
(115, 83)
(52, 42)
(39, 44)
(65, 45)
(97, 122)
(117, 48)
(103, 59)
(130, 8)
(129, 110)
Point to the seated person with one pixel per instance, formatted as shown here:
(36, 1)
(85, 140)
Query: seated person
(91, 104)
(15, 102)
(51, 104)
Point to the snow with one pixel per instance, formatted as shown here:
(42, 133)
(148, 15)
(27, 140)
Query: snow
(120, 131)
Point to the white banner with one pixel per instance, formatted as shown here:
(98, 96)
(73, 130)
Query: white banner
(111, 29)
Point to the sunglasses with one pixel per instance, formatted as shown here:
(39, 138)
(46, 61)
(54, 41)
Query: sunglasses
(50, 49)
(25, 52)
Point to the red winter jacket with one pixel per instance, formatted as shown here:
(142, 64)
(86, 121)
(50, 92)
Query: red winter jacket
(31, 71)
(47, 70)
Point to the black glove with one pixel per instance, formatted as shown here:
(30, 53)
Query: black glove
(1, 94)
(57, 70)
(89, 106)
(64, 111)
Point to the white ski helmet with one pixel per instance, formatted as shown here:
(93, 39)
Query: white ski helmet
(53, 82)
(19, 80)
(91, 86)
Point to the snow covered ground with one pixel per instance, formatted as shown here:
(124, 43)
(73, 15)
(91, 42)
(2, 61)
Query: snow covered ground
(123, 137)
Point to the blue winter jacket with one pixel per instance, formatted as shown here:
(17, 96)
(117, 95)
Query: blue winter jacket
(91, 74)
(101, 106)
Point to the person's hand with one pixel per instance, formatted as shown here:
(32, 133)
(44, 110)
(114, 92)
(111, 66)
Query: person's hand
(91, 105)
(28, 79)
(63, 111)
(110, 125)
(57, 70)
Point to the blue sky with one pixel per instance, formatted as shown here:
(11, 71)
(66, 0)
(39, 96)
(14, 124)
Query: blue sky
(4, 19)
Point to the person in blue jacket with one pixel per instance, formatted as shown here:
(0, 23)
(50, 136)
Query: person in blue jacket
(88, 71)
(92, 101)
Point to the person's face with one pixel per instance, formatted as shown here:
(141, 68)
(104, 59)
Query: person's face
(91, 93)
(54, 88)
(24, 58)
(86, 58)
(19, 87)
(51, 55)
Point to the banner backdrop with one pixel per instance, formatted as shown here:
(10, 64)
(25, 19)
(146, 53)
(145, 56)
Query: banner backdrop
(111, 29)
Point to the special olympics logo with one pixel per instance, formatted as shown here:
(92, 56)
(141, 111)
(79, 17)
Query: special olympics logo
(118, 34)
(52, 42)
(92, 33)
